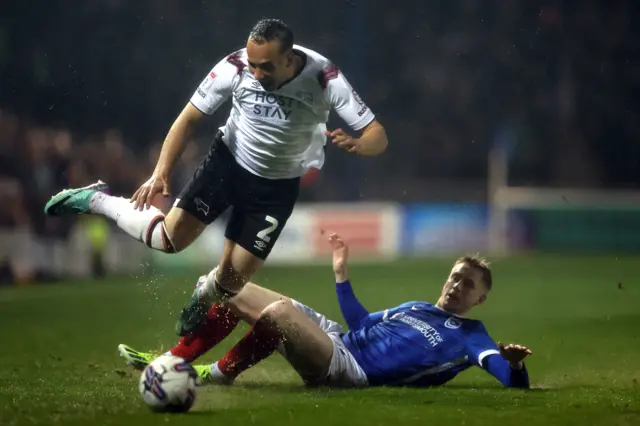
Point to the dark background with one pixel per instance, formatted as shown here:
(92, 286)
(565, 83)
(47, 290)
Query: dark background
(89, 89)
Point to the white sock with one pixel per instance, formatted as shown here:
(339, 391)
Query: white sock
(215, 370)
(136, 223)
(212, 291)
(219, 376)
(207, 291)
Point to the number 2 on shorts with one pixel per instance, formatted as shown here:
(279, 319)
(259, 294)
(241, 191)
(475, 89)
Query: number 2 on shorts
(264, 234)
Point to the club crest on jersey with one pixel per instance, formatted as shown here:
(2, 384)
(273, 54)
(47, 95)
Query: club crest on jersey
(201, 206)
(453, 323)
(305, 96)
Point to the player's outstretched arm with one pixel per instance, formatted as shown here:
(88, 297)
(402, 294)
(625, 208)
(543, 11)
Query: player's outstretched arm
(354, 313)
(172, 148)
(508, 365)
(504, 362)
(177, 138)
(213, 91)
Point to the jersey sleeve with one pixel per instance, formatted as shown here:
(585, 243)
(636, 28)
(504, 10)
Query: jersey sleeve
(345, 100)
(483, 352)
(352, 310)
(216, 87)
(479, 346)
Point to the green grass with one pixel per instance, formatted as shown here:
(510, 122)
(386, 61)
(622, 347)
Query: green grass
(60, 364)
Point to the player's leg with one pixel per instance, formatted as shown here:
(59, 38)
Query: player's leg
(259, 343)
(264, 207)
(261, 210)
(340, 370)
(169, 234)
(327, 325)
(221, 320)
(252, 300)
(305, 345)
(219, 323)
(257, 306)
(221, 285)
(202, 200)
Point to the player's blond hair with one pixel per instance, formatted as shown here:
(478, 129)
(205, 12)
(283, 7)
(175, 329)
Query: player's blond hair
(481, 264)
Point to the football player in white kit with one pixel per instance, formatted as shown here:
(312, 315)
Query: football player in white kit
(281, 95)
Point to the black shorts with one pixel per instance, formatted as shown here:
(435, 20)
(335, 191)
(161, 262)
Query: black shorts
(260, 207)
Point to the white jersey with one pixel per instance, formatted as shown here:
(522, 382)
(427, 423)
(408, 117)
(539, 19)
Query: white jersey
(280, 134)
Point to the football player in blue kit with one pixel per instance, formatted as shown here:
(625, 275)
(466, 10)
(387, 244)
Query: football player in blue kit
(414, 344)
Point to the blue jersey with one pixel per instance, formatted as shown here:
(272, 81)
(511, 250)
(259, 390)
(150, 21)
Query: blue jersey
(419, 344)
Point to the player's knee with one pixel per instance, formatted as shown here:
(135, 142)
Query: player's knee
(158, 236)
(172, 241)
(277, 312)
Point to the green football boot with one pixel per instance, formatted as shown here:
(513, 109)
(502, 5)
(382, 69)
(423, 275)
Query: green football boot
(136, 359)
(195, 313)
(73, 201)
(211, 375)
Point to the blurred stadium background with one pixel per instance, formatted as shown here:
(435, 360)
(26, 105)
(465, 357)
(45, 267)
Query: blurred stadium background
(514, 131)
(513, 126)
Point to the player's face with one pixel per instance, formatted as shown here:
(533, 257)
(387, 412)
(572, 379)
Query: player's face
(268, 64)
(463, 290)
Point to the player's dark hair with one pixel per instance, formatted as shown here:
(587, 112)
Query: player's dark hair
(481, 264)
(266, 30)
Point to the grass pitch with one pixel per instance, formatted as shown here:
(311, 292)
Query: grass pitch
(579, 315)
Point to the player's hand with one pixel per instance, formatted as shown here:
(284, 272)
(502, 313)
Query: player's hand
(143, 197)
(340, 257)
(514, 354)
(343, 140)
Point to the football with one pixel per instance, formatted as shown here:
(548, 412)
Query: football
(168, 385)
